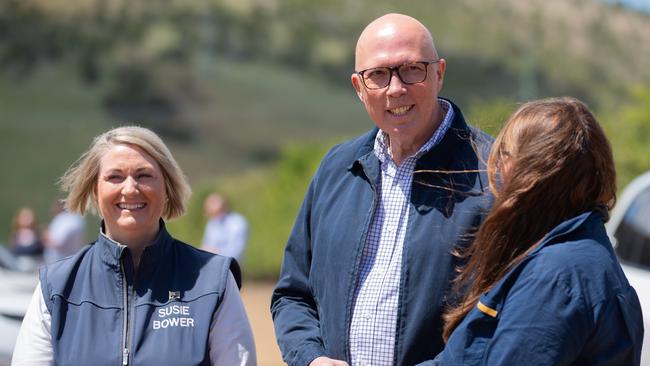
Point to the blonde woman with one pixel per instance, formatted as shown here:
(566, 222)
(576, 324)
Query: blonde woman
(136, 296)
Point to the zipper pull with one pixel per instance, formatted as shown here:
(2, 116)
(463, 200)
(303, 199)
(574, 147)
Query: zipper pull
(125, 357)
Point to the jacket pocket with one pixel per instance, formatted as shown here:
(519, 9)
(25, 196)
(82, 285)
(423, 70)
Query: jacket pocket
(75, 329)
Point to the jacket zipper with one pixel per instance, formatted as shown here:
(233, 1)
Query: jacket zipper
(125, 323)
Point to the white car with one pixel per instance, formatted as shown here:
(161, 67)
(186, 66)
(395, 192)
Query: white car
(16, 289)
(629, 231)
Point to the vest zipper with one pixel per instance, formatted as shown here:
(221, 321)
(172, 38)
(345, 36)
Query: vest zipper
(131, 313)
(125, 324)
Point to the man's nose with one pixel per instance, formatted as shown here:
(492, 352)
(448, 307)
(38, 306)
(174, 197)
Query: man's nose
(395, 84)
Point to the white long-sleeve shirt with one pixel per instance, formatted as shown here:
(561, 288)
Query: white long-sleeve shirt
(231, 339)
(226, 235)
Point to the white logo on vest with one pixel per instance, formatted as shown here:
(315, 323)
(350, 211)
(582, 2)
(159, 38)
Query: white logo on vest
(173, 315)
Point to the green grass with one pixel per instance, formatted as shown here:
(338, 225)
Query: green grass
(252, 110)
(260, 130)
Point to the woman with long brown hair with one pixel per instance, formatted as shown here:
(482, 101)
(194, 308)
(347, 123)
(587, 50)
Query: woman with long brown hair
(542, 284)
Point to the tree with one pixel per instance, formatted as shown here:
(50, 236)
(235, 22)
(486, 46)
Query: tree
(628, 128)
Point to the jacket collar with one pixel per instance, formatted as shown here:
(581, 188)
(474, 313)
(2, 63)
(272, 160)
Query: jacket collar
(588, 221)
(443, 156)
(112, 251)
(583, 221)
(365, 157)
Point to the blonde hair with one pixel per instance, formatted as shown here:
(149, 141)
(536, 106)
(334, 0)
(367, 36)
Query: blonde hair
(80, 180)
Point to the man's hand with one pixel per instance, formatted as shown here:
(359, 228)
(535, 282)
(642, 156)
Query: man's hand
(326, 361)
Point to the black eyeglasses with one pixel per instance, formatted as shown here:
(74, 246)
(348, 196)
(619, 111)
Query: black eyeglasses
(409, 73)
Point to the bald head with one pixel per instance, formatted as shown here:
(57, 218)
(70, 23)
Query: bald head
(392, 31)
(407, 110)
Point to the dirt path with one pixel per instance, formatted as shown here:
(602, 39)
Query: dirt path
(257, 300)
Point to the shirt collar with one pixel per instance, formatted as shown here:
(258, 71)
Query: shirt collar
(112, 251)
(382, 148)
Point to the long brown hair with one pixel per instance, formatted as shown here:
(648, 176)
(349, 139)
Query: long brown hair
(559, 164)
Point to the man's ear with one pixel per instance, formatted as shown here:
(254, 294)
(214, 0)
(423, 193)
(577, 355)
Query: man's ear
(356, 83)
(440, 72)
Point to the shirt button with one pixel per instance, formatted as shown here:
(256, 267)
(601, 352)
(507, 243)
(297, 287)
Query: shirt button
(368, 316)
(364, 363)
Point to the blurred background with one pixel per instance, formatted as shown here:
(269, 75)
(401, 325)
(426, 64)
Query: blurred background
(249, 94)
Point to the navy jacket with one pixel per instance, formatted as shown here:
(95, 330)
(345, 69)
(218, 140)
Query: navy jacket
(567, 303)
(103, 314)
(312, 302)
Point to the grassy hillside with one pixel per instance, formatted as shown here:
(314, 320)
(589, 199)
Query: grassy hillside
(250, 112)
(262, 87)
(548, 47)
(521, 49)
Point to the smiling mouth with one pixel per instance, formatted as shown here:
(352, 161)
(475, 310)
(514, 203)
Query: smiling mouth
(130, 206)
(399, 111)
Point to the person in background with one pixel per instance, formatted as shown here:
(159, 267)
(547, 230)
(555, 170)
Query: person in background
(543, 284)
(65, 234)
(226, 232)
(25, 237)
(368, 265)
(136, 296)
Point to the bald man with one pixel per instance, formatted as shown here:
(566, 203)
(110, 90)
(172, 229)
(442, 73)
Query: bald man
(368, 266)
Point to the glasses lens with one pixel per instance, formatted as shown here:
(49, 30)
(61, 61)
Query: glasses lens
(413, 73)
(376, 78)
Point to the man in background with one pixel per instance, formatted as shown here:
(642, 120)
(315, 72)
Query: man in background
(65, 234)
(226, 232)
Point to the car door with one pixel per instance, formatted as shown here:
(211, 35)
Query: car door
(629, 230)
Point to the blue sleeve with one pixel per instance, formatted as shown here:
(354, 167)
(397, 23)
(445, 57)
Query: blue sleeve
(239, 236)
(293, 306)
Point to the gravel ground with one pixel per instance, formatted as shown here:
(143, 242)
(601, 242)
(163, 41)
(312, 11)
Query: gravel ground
(257, 300)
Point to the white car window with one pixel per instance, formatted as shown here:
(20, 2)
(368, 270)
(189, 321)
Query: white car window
(633, 233)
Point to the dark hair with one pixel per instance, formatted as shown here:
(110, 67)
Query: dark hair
(560, 164)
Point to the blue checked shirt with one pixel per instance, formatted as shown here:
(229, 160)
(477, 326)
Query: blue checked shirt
(374, 315)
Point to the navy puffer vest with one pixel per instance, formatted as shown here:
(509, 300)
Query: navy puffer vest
(103, 313)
